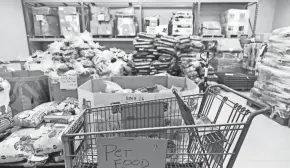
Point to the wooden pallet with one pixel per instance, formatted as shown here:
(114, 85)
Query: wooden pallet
(125, 36)
(47, 36)
(235, 35)
(103, 36)
(212, 36)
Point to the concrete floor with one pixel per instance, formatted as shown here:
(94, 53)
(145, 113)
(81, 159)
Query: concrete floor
(267, 144)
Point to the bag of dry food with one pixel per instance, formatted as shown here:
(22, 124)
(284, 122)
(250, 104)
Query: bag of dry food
(50, 140)
(32, 118)
(279, 39)
(284, 31)
(69, 106)
(17, 147)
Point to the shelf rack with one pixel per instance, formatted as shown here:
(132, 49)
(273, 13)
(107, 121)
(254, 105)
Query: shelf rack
(198, 7)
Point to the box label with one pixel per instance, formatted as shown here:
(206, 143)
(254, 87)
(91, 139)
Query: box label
(101, 17)
(39, 17)
(69, 82)
(68, 18)
(131, 152)
(132, 97)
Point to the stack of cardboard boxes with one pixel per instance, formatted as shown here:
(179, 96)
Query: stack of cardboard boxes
(101, 21)
(182, 24)
(235, 22)
(69, 20)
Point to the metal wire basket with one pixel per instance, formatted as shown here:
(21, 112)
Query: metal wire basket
(204, 130)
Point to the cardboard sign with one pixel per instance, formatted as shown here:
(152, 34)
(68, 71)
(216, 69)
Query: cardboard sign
(131, 152)
(69, 82)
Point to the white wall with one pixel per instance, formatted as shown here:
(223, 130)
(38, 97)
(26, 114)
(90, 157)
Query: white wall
(265, 16)
(282, 14)
(13, 41)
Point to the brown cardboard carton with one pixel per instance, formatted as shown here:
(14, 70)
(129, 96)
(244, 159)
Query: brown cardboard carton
(46, 25)
(100, 13)
(57, 94)
(28, 89)
(90, 91)
(101, 28)
(67, 10)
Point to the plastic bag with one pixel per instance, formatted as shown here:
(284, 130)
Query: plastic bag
(267, 73)
(32, 118)
(279, 48)
(17, 147)
(283, 32)
(279, 39)
(4, 96)
(112, 87)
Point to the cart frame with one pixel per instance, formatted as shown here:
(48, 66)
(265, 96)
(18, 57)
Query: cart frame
(80, 132)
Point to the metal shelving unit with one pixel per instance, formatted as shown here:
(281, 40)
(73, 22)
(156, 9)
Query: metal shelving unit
(198, 7)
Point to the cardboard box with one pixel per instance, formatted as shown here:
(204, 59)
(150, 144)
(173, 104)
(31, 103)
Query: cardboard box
(46, 25)
(101, 28)
(44, 11)
(67, 10)
(46, 22)
(57, 94)
(235, 28)
(100, 13)
(91, 90)
(69, 23)
(211, 28)
(182, 30)
(182, 21)
(235, 15)
(28, 89)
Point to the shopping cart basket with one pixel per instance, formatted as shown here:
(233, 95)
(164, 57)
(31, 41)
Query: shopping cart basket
(213, 141)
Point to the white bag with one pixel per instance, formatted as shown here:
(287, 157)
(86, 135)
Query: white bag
(4, 96)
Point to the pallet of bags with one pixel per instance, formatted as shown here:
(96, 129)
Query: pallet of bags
(273, 81)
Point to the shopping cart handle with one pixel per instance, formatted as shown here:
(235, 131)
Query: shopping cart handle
(174, 91)
(265, 107)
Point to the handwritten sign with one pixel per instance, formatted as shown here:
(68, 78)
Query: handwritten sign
(132, 97)
(131, 152)
(69, 82)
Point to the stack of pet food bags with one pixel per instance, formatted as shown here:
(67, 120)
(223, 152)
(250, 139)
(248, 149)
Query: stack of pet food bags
(153, 54)
(272, 85)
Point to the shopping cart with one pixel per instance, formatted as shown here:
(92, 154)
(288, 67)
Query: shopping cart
(204, 130)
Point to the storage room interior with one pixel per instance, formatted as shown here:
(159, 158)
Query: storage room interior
(145, 83)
